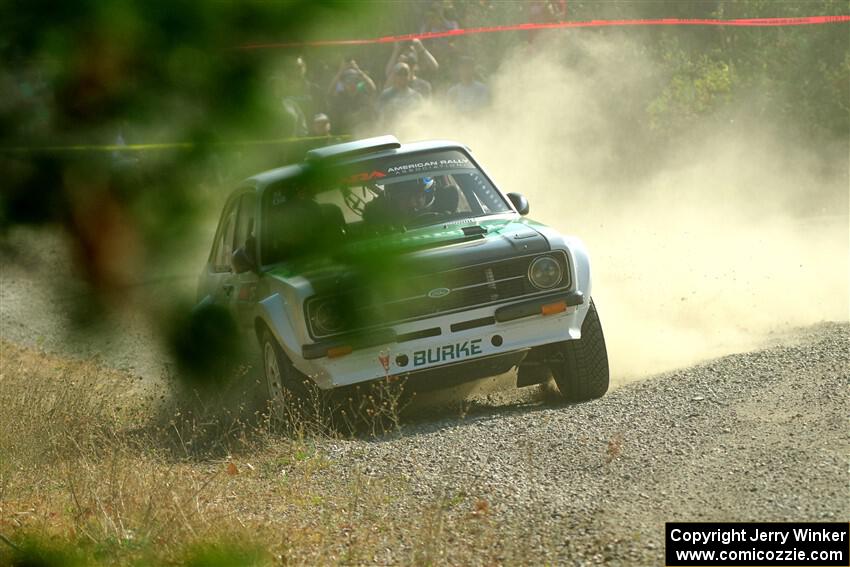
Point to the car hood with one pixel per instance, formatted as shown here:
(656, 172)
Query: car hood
(422, 250)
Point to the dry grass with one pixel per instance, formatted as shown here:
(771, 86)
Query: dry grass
(93, 474)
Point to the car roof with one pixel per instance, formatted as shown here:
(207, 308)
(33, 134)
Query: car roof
(352, 152)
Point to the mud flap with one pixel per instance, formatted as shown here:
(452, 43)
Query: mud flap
(531, 374)
(534, 369)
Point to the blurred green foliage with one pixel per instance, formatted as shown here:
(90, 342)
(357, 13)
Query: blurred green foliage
(142, 72)
(35, 552)
(41, 552)
(94, 72)
(697, 86)
(205, 344)
(218, 555)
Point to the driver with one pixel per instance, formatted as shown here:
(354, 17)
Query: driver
(402, 201)
(413, 197)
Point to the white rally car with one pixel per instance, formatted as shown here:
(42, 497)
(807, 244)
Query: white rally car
(375, 259)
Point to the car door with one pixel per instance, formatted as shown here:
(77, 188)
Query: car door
(243, 297)
(218, 272)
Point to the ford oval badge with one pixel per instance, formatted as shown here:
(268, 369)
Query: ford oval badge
(439, 292)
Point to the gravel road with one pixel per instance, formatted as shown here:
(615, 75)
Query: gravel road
(761, 436)
(43, 304)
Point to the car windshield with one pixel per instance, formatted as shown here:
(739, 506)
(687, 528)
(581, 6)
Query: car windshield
(374, 197)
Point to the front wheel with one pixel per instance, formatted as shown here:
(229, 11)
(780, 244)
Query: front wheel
(285, 385)
(580, 367)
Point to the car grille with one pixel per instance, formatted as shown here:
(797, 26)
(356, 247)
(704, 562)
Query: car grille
(407, 299)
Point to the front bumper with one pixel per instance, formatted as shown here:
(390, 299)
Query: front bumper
(449, 340)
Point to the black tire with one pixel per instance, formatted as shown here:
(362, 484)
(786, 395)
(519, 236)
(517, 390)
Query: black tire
(285, 386)
(580, 367)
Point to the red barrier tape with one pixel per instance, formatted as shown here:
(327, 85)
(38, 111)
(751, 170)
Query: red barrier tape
(745, 22)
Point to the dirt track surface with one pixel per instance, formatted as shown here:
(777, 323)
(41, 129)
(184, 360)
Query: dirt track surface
(759, 436)
(44, 304)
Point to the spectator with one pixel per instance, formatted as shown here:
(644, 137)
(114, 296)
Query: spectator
(292, 123)
(469, 95)
(351, 94)
(399, 98)
(321, 125)
(411, 54)
(364, 81)
(438, 20)
(299, 89)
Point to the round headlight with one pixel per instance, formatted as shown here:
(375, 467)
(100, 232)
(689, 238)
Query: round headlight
(326, 320)
(545, 272)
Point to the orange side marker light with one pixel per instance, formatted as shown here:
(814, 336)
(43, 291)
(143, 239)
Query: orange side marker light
(336, 352)
(553, 308)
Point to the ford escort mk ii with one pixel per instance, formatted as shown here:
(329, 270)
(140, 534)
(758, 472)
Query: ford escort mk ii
(375, 259)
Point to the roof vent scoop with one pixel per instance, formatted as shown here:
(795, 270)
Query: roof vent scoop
(351, 149)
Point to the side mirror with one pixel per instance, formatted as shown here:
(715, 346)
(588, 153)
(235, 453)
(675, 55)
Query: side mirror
(242, 261)
(520, 203)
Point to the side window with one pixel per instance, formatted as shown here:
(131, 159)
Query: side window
(348, 201)
(224, 245)
(245, 226)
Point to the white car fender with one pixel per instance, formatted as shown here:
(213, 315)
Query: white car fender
(581, 262)
(579, 259)
(274, 313)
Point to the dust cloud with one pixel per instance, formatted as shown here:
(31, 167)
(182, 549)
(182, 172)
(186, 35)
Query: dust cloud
(703, 245)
